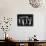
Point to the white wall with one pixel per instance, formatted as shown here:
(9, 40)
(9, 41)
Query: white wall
(10, 8)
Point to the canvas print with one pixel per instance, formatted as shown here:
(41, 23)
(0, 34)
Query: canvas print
(25, 19)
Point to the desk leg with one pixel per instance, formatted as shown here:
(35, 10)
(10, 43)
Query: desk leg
(17, 44)
(35, 44)
(25, 44)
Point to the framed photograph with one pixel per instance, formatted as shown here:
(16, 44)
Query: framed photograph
(25, 19)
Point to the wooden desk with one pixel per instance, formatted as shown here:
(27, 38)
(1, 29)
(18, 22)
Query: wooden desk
(28, 43)
(31, 43)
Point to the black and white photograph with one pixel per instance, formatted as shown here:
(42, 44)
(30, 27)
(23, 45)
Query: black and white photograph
(25, 19)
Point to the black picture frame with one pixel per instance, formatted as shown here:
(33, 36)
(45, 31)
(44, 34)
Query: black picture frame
(25, 19)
